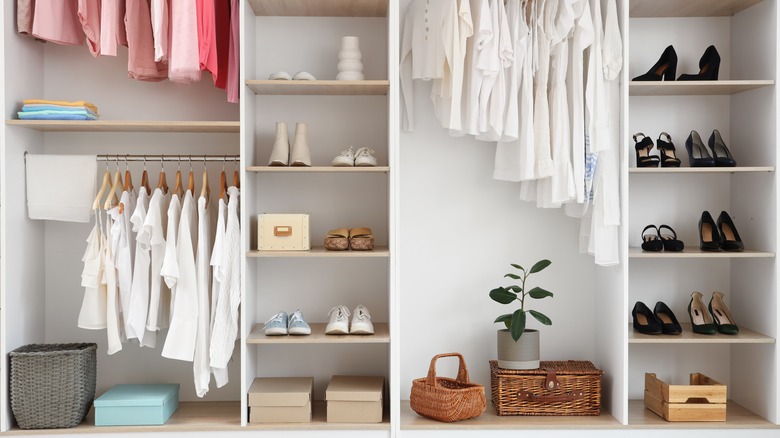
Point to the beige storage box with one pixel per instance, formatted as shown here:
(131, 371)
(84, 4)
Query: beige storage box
(280, 400)
(283, 232)
(355, 399)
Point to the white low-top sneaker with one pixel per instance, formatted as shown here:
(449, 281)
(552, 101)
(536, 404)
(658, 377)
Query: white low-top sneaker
(345, 159)
(339, 321)
(365, 157)
(361, 322)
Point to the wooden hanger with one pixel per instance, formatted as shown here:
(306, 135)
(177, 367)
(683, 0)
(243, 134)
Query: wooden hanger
(128, 178)
(191, 179)
(103, 186)
(236, 177)
(205, 190)
(145, 180)
(162, 183)
(222, 185)
(178, 190)
(113, 196)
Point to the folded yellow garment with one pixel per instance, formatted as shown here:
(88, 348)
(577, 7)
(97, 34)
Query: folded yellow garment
(61, 103)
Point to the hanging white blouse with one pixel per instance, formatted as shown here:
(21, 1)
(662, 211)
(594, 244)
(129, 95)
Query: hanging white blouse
(200, 364)
(180, 342)
(139, 297)
(474, 73)
(217, 278)
(225, 330)
(114, 324)
(596, 112)
(493, 97)
(447, 92)
(159, 293)
(124, 257)
(93, 307)
(170, 267)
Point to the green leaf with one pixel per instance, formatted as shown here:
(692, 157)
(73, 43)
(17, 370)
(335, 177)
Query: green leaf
(538, 293)
(504, 318)
(541, 317)
(502, 295)
(508, 324)
(517, 267)
(516, 289)
(512, 276)
(518, 324)
(541, 264)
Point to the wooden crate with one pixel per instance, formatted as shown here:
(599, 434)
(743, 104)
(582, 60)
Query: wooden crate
(703, 400)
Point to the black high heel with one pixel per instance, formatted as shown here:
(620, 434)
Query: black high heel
(651, 242)
(645, 321)
(664, 69)
(701, 320)
(729, 237)
(643, 147)
(670, 241)
(665, 316)
(709, 65)
(721, 315)
(698, 155)
(720, 151)
(709, 237)
(667, 150)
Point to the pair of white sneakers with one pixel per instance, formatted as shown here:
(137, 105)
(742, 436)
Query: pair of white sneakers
(339, 321)
(363, 157)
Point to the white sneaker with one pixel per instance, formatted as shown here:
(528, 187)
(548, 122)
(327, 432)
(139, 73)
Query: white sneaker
(339, 321)
(276, 325)
(361, 322)
(297, 325)
(345, 159)
(280, 75)
(304, 76)
(365, 157)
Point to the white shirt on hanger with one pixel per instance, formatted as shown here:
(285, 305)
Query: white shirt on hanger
(218, 260)
(139, 297)
(93, 308)
(159, 293)
(225, 330)
(494, 113)
(170, 266)
(473, 75)
(124, 258)
(114, 324)
(200, 365)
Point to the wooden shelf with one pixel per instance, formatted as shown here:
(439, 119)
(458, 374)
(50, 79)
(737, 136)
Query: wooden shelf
(489, 420)
(694, 88)
(695, 252)
(379, 251)
(319, 422)
(320, 8)
(737, 417)
(665, 170)
(317, 169)
(127, 125)
(319, 88)
(745, 336)
(688, 8)
(381, 336)
(190, 417)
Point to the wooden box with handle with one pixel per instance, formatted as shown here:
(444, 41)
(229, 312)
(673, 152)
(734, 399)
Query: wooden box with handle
(703, 400)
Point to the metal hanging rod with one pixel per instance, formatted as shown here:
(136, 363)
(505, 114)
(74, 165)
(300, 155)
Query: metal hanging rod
(159, 157)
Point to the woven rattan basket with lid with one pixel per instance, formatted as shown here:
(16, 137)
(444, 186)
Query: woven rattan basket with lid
(555, 388)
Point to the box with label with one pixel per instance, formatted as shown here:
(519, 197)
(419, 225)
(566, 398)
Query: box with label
(355, 399)
(137, 405)
(283, 232)
(280, 400)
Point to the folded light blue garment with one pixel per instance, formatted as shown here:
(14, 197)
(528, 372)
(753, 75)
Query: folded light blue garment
(56, 115)
(47, 107)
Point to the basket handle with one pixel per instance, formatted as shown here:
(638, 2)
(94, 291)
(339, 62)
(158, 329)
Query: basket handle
(463, 372)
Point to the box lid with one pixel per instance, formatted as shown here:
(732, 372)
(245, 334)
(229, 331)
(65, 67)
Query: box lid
(138, 395)
(280, 391)
(355, 388)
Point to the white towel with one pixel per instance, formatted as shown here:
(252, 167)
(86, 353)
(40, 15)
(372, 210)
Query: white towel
(60, 187)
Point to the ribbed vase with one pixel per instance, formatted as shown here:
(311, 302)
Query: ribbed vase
(350, 65)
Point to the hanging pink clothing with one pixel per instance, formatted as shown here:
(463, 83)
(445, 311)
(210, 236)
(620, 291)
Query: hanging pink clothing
(24, 16)
(58, 22)
(112, 26)
(89, 16)
(233, 76)
(140, 57)
(183, 59)
(223, 29)
(161, 29)
(207, 38)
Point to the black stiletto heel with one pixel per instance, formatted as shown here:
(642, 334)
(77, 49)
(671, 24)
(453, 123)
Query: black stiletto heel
(701, 320)
(643, 147)
(721, 315)
(720, 151)
(667, 150)
(729, 237)
(709, 65)
(698, 156)
(665, 69)
(709, 237)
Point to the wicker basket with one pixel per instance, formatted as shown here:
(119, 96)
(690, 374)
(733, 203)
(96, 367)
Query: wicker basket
(445, 399)
(555, 388)
(52, 385)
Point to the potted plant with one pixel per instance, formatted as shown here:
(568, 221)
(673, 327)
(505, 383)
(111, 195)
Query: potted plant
(518, 347)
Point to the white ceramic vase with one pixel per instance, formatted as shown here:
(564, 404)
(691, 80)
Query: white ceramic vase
(520, 355)
(350, 66)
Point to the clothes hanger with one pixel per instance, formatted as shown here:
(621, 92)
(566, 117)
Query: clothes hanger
(103, 186)
(191, 179)
(236, 176)
(116, 186)
(177, 186)
(162, 182)
(128, 178)
(145, 179)
(205, 190)
(223, 181)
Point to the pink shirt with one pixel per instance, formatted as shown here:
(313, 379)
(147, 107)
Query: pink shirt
(89, 17)
(233, 90)
(112, 26)
(183, 59)
(207, 37)
(24, 16)
(140, 57)
(223, 30)
(58, 22)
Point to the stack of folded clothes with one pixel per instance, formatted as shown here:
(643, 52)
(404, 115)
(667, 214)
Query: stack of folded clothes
(39, 109)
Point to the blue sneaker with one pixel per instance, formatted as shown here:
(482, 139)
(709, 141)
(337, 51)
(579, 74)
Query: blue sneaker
(297, 326)
(276, 325)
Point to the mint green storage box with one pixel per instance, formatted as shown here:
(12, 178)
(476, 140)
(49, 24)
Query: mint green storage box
(137, 405)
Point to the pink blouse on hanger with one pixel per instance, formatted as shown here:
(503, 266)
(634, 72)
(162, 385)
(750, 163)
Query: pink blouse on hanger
(232, 89)
(112, 26)
(89, 17)
(183, 59)
(24, 16)
(140, 58)
(58, 22)
(207, 38)
(223, 29)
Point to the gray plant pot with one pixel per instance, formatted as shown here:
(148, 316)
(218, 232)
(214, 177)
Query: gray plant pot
(520, 355)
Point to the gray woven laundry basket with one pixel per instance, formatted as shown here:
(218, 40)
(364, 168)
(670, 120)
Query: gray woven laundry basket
(52, 385)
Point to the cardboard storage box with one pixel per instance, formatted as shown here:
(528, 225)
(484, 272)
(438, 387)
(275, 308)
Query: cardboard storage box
(137, 405)
(355, 399)
(283, 232)
(703, 400)
(280, 400)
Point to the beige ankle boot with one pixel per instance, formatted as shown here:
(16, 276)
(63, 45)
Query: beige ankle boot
(280, 155)
(300, 155)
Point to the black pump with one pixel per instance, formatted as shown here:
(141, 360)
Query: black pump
(709, 237)
(643, 147)
(645, 321)
(667, 150)
(720, 151)
(698, 155)
(665, 316)
(709, 64)
(664, 69)
(729, 237)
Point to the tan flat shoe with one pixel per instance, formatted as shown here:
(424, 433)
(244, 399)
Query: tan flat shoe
(361, 239)
(337, 240)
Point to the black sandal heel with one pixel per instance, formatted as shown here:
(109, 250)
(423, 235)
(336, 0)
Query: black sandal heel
(651, 242)
(643, 147)
(670, 241)
(667, 150)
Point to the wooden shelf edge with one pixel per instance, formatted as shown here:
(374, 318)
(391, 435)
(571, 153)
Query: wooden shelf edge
(320, 87)
(128, 125)
(379, 251)
(691, 8)
(695, 252)
(309, 8)
(381, 336)
(745, 336)
(317, 169)
(686, 88)
(667, 170)
(737, 417)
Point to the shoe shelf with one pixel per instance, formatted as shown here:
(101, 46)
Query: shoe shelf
(695, 88)
(320, 8)
(319, 422)
(737, 417)
(687, 8)
(319, 88)
(199, 416)
(127, 125)
(747, 169)
(381, 336)
(636, 252)
(317, 169)
(745, 336)
(378, 251)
